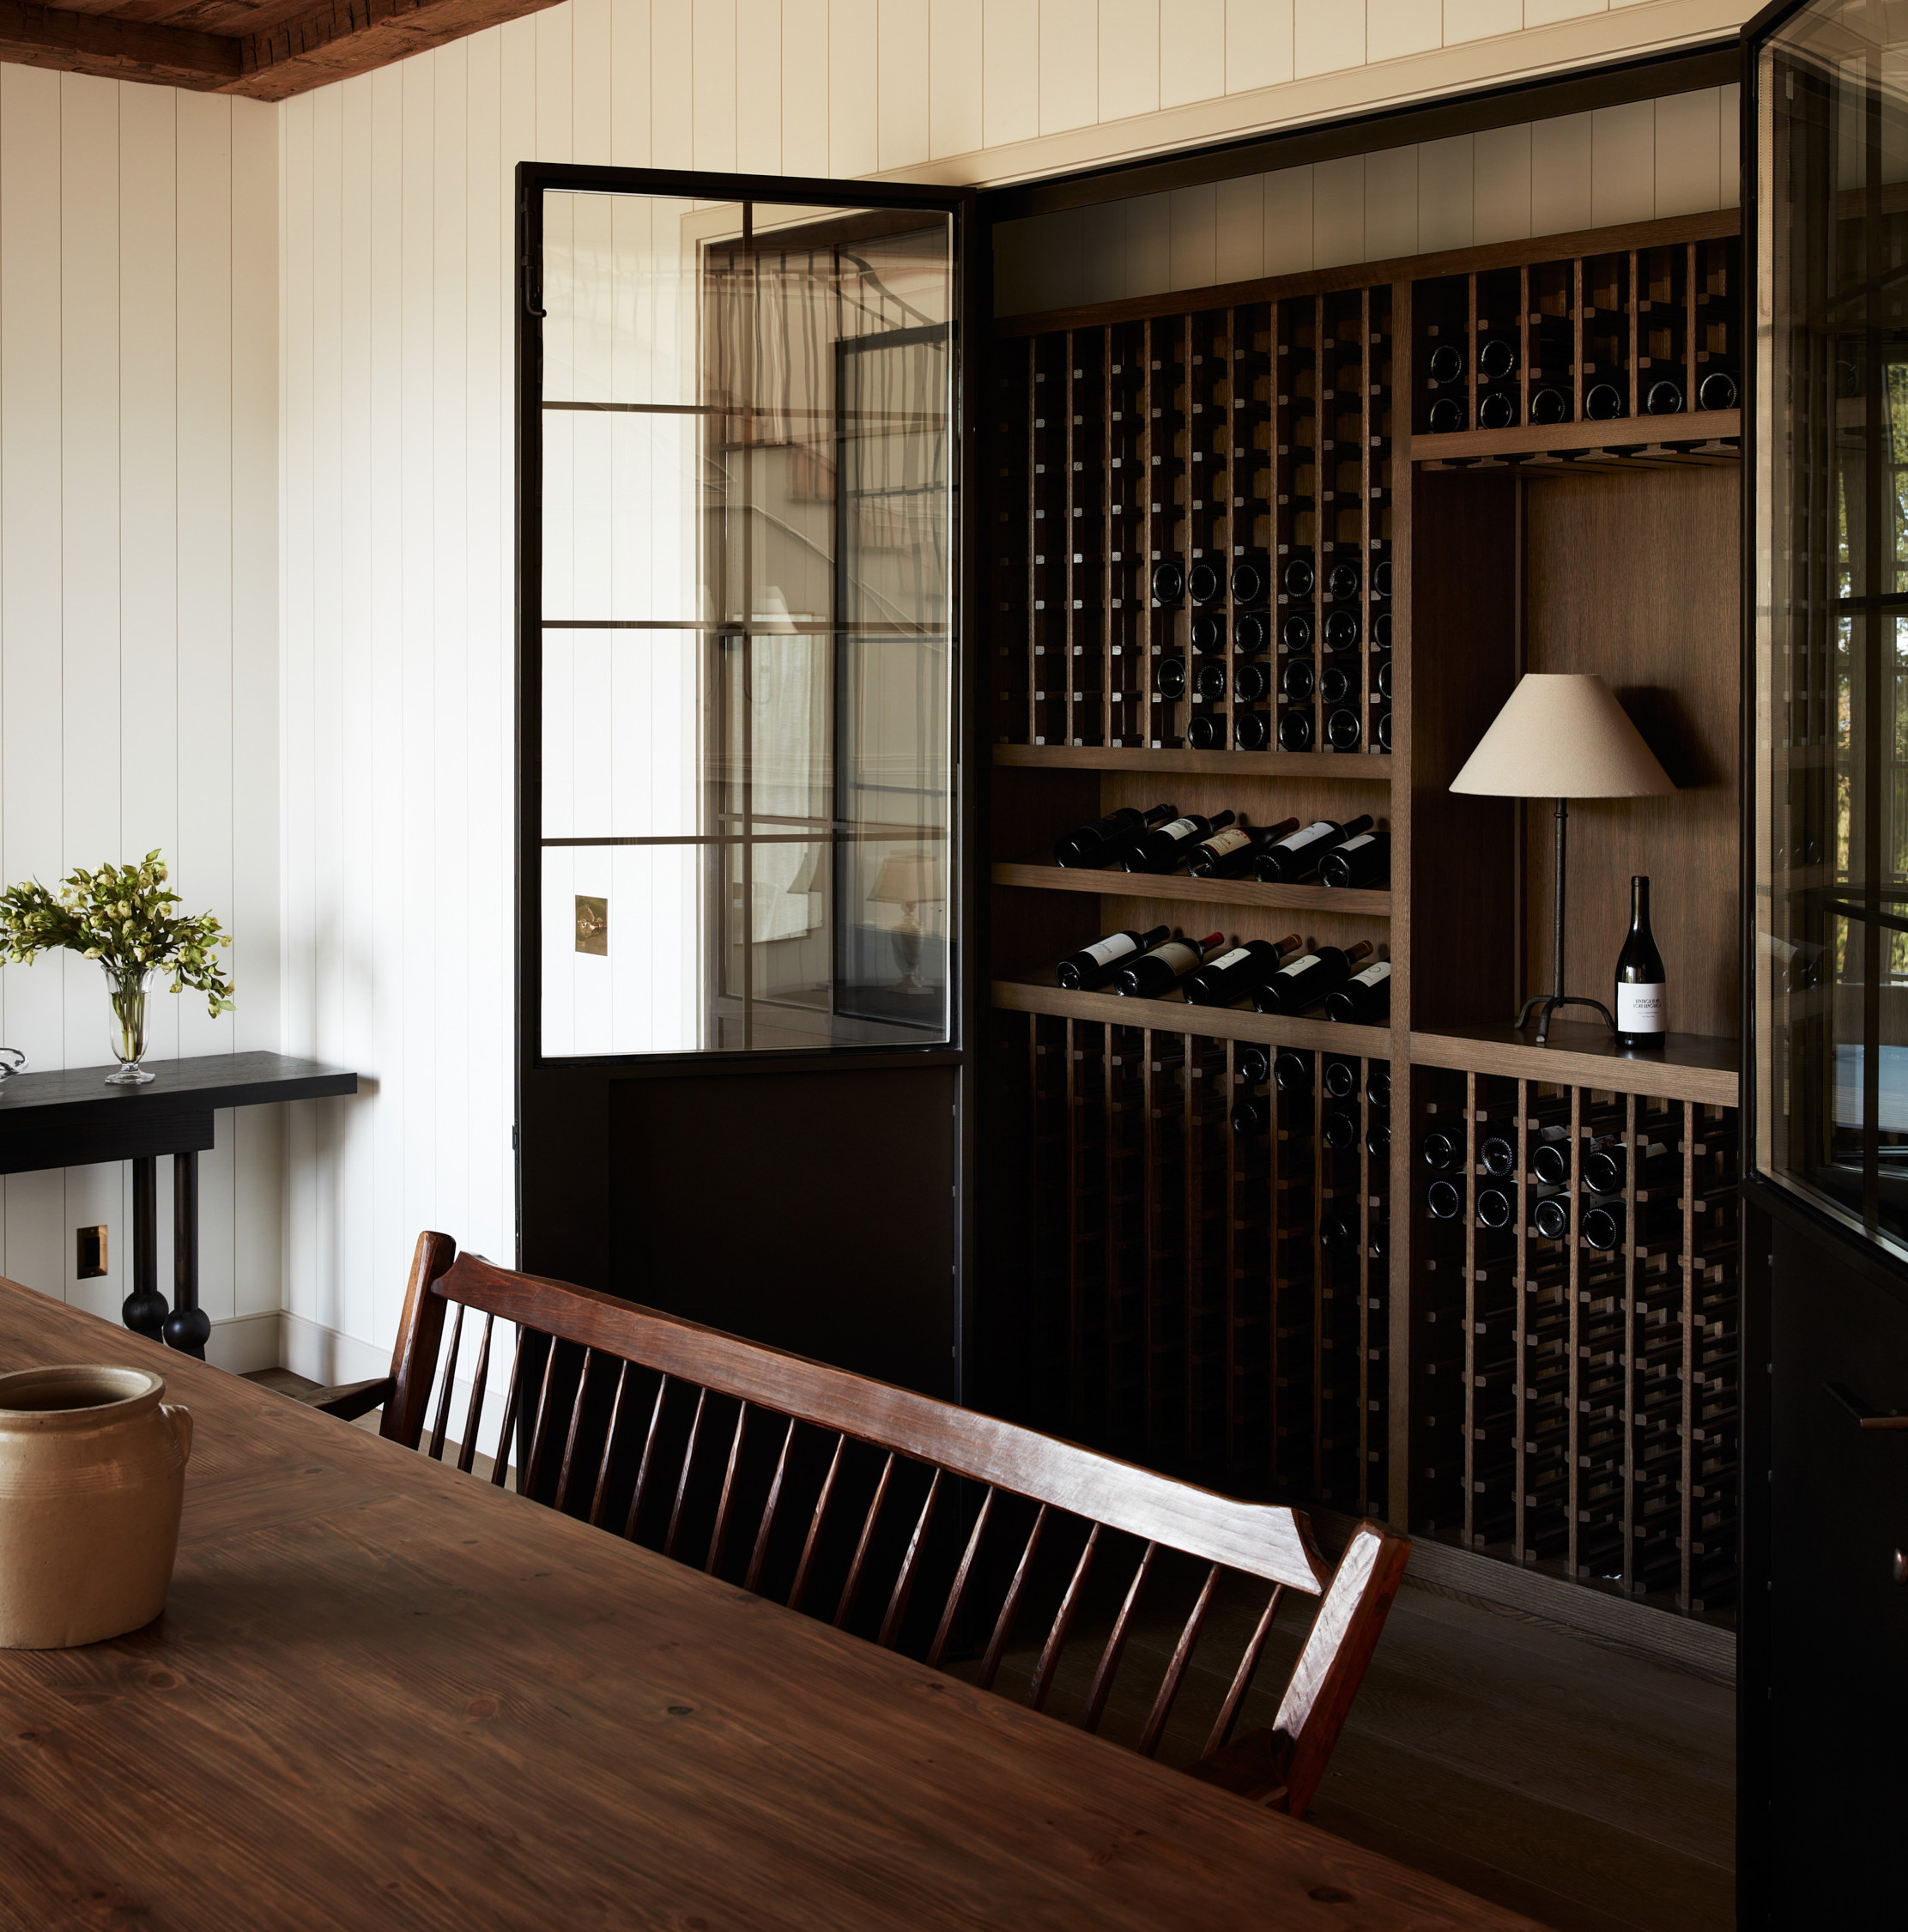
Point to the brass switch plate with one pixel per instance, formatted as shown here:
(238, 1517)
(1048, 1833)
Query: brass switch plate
(593, 926)
(89, 1258)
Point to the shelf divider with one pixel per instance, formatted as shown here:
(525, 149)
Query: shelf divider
(1207, 892)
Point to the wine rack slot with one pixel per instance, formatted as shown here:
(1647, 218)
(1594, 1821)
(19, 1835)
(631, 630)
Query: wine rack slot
(1213, 1217)
(1575, 1332)
(1213, 521)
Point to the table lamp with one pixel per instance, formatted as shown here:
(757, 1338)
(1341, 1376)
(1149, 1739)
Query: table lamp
(1562, 735)
(909, 880)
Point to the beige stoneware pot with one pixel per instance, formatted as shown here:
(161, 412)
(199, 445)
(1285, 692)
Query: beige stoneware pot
(92, 1476)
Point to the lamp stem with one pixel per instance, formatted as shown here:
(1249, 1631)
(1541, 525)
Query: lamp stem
(1557, 940)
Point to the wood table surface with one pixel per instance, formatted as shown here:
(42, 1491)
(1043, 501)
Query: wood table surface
(387, 1695)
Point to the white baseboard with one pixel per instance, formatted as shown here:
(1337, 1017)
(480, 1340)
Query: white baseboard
(245, 1343)
(322, 1355)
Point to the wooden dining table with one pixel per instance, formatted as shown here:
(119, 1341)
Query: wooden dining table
(384, 1694)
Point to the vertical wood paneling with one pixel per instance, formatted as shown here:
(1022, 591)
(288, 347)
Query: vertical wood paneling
(955, 79)
(1010, 71)
(1069, 65)
(1128, 58)
(902, 97)
(1623, 163)
(804, 86)
(712, 78)
(1192, 51)
(853, 97)
(1500, 174)
(1394, 180)
(1259, 44)
(1394, 28)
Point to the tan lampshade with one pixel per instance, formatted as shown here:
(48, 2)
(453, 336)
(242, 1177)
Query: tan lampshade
(907, 879)
(1563, 734)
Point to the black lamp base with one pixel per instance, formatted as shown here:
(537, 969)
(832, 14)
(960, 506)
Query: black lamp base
(1545, 1004)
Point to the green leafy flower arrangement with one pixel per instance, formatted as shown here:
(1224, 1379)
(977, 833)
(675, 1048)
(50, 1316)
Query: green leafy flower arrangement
(121, 916)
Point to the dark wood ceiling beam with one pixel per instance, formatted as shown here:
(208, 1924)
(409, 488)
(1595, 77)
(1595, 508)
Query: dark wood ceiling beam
(341, 37)
(118, 50)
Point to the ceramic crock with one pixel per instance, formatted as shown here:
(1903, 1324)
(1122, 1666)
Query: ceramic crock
(92, 1476)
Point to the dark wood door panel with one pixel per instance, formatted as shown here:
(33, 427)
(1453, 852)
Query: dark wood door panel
(811, 1211)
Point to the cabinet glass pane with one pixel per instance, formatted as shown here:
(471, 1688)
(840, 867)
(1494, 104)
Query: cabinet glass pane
(747, 660)
(1831, 970)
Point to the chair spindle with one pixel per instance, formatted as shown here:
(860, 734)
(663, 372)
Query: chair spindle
(682, 1478)
(1242, 1678)
(721, 1529)
(801, 1583)
(1176, 1671)
(867, 1536)
(1003, 1624)
(1062, 1621)
(761, 1550)
(443, 1394)
(904, 1580)
(1108, 1666)
(648, 1460)
(468, 1451)
(958, 1589)
(610, 1436)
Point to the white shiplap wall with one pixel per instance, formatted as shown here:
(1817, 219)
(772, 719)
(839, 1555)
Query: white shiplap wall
(138, 613)
(1635, 163)
(395, 232)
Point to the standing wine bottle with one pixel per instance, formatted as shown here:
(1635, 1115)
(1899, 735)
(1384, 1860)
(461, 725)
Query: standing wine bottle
(1157, 972)
(1365, 859)
(1290, 859)
(1308, 979)
(1364, 999)
(1229, 854)
(1164, 845)
(1230, 976)
(1094, 966)
(1641, 995)
(1107, 841)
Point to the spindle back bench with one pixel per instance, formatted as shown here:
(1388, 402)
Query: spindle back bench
(924, 1526)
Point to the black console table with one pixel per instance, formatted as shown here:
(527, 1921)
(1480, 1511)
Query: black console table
(73, 1118)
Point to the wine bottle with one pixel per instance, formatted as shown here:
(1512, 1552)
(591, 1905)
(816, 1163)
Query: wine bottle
(1298, 681)
(1156, 972)
(1441, 1152)
(1094, 966)
(1308, 979)
(1604, 402)
(1364, 860)
(1550, 1216)
(1254, 1067)
(1107, 841)
(1341, 1077)
(1365, 999)
(1381, 631)
(1342, 580)
(1550, 1157)
(1446, 364)
(1251, 632)
(1296, 635)
(1496, 1208)
(1446, 417)
(1337, 1230)
(1169, 582)
(1289, 859)
(1339, 1129)
(1291, 1071)
(1444, 1201)
(1230, 976)
(1381, 578)
(1606, 1167)
(1497, 1154)
(1498, 410)
(1298, 577)
(1251, 729)
(1208, 731)
(1496, 359)
(1344, 730)
(1252, 1115)
(1341, 630)
(1251, 580)
(1250, 682)
(1718, 390)
(1229, 854)
(1209, 680)
(1164, 845)
(1378, 1088)
(1295, 730)
(1549, 405)
(1642, 1002)
(1381, 732)
(1169, 677)
(1205, 582)
(1208, 631)
(1335, 684)
(1664, 399)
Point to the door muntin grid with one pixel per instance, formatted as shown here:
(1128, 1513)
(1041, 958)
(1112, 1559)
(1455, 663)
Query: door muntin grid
(745, 648)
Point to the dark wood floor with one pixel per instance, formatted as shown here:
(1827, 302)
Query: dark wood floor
(1584, 1786)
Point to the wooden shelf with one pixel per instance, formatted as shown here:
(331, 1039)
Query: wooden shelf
(1691, 1067)
(1175, 1016)
(1205, 892)
(1634, 439)
(1373, 766)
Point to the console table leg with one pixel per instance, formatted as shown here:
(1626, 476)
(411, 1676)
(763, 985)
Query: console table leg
(188, 1325)
(144, 1309)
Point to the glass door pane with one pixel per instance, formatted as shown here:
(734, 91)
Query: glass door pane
(746, 650)
(1831, 972)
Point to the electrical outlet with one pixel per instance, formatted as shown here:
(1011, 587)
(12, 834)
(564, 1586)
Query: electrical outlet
(90, 1252)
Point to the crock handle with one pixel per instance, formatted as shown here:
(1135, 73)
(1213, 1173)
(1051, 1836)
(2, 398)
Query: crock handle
(181, 1421)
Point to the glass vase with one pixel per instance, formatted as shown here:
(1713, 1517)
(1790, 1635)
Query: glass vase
(126, 991)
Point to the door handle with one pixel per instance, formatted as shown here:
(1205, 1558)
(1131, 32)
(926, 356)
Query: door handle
(1865, 1417)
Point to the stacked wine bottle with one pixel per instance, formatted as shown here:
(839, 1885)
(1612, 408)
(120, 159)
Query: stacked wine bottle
(1162, 841)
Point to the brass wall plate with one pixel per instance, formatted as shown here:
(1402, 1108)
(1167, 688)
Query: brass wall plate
(593, 926)
(89, 1252)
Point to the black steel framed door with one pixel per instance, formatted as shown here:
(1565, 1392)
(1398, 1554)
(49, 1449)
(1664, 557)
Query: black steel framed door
(746, 484)
(1824, 1357)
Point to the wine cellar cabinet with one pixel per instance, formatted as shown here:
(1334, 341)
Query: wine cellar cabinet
(1282, 549)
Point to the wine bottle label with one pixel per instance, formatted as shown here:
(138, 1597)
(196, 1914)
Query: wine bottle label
(1310, 836)
(1115, 946)
(1352, 845)
(1177, 954)
(1373, 975)
(1299, 966)
(1231, 959)
(1639, 1009)
(1229, 840)
(1179, 829)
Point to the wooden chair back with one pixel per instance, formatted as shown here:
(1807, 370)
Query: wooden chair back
(924, 1526)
